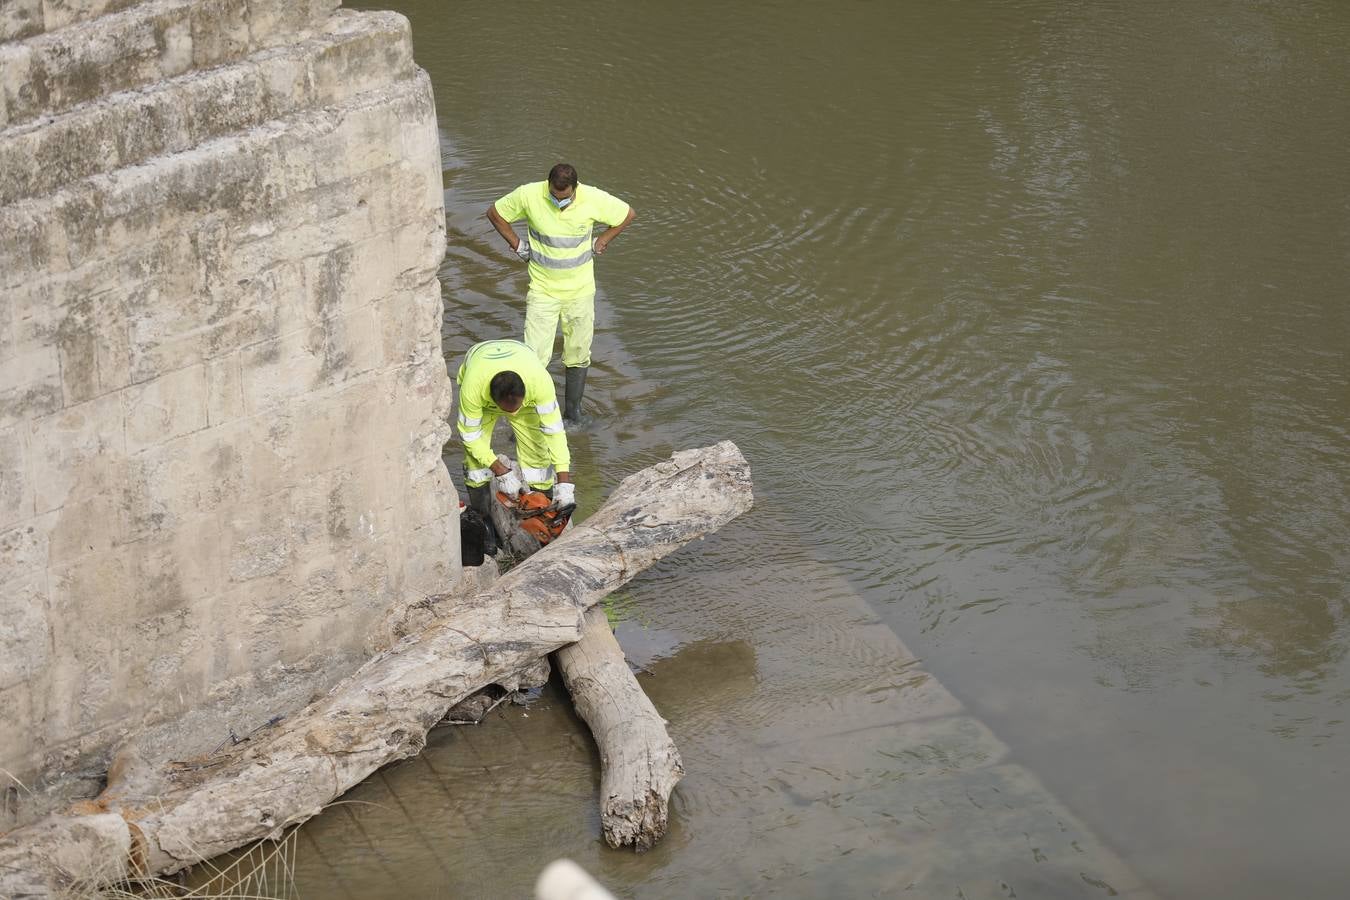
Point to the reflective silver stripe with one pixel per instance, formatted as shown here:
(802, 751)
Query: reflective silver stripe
(469, 423)
(559, 241)
(545, 408)
(478, 474)
(555, 428)
(471, 435)
(570, 262)
(533, 475)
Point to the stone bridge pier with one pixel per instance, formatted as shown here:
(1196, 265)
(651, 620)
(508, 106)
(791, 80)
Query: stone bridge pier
(222, 396)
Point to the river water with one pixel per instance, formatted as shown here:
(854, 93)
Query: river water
(1031, 317)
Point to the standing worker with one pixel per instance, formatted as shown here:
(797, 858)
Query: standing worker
(560, 213)
(506, 377)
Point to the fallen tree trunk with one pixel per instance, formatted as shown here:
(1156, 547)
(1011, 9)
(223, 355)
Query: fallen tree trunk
(639, 763)
(189, 811)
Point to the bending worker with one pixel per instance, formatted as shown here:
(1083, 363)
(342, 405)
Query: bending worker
(560, 213)
(506, 377)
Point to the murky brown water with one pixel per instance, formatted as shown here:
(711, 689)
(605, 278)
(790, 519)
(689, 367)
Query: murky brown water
(1031, 318)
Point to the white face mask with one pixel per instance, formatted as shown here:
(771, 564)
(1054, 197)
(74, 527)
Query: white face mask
(561, 204)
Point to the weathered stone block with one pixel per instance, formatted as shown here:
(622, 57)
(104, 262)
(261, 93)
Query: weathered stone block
(258, 545)
(168, 483)
(404, 342)
(224, 390)
(149, 41)
(87, 596)
(419, 247)
(362, 52)
(432, 498)
(173, 404)
(428, 561)
(16, 483)
(17, 88)
(147, 507)
(113, 349)
(336, 350)
(25, 548)
(89, 222)
(241, 640)
(78, 355)
(60, 13)
(90, 332)
(428, 383)
(18, 161)
(30, 385)
(24, 249)
(92, 645)
(220, 30)
(175, 46)
(16, 744)
(245, 312)
(75, 453)
(176, 651)
(179, 571)
(238, 99)
(287, 19)
(331, 429)
(88, 526)
(20, 19)
(360, 502)
(81, 146)
(25, 638)
(8, 344)
(52, 72)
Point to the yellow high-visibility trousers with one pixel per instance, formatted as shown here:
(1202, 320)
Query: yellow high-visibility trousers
(542, 314)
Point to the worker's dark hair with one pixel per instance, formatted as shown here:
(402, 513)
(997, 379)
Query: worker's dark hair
(562, 176)
(506, 386)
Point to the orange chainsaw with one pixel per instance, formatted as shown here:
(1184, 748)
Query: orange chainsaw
(537, 515)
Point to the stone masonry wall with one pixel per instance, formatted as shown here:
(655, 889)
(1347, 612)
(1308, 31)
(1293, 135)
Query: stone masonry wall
(222, 397)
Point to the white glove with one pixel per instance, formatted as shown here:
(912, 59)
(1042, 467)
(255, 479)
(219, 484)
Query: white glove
(509, 484)
(564, 494)
(523, 249)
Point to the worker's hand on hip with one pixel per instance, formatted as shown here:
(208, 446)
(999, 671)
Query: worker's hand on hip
(509, 484)
(523, 249)
(564, 494)
(599, 247)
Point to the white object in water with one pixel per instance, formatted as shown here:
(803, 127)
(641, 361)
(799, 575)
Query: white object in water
(563, 879)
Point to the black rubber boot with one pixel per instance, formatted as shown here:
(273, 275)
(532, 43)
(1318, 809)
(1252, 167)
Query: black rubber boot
(480, 501)
(575, 387)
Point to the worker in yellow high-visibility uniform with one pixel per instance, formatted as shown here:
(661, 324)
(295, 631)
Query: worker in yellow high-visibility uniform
(507, 377)
(560, 213)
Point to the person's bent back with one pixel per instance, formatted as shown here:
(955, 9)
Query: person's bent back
(506, 378)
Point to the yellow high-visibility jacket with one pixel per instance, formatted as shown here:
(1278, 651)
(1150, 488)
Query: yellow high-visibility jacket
(560, 239)
(478, 412)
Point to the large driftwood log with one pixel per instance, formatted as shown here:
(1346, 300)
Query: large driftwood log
(182, 813)
(639, 763)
